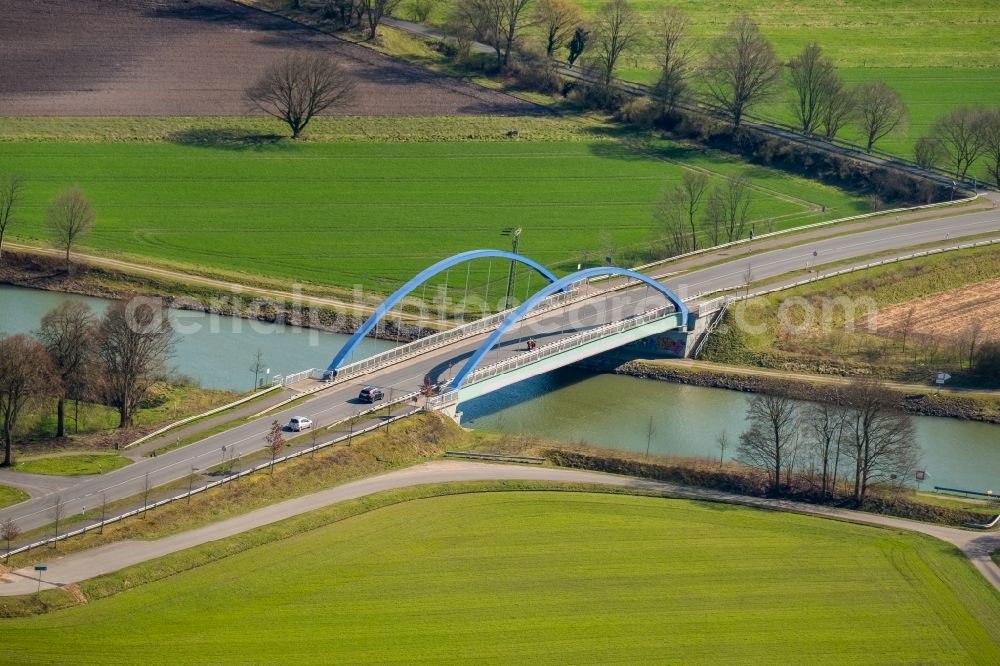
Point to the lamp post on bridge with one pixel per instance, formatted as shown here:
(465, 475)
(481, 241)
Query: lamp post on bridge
(515, 237)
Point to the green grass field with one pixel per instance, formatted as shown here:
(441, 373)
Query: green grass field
(74, 465)
(938, 54)
(548, 578)
(10, 496)
(325, 213)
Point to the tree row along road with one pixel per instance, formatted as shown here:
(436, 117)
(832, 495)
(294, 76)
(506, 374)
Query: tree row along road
(340, 401)
(852, 151)
(112, 557)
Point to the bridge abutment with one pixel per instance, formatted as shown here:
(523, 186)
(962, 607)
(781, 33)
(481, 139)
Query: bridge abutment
(672, 344)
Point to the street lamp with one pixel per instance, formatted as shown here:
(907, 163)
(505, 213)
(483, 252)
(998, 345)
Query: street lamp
(191, 482)
(515, 238)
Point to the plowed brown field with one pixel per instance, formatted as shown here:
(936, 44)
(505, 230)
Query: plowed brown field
(190, 58)
(948, 314)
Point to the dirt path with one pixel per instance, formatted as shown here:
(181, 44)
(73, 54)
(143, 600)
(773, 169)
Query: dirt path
(660, 271)
(180, 276)
(112, 557)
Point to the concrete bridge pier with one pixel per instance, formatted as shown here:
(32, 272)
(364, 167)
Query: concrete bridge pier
(451, 411)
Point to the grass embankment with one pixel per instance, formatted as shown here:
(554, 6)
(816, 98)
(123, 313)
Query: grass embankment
(922, 399)
(74, 465)
(817, 338)
(9, 496)
(96, 424)
(177, 206)
(571, 577)
(409, 441)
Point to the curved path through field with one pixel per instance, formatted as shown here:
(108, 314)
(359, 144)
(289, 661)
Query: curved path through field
(112, 557)
(339, 400)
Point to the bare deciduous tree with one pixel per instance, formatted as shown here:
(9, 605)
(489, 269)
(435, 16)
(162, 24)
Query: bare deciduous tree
(25, 372)
(693, 186)
(274, 440)
(494, 22)
(675, 54)
(68, 217)
(771, 436)
(67, 332)
(715, 216)
(991, 136)
(962, 135)
(722, 441)
(841, 109)
(880, 438)
(298, 88)
(11, 187)
(742, 70)
(814, 82)
(670, 213)
(928, 152)
(880, 111)
(735, 196)
(906, 326)
(8, 532)
(824, 423)
(650, 434)
(970, 339)
(557, 19)
(133, 341)
(257, 367)
(617, 28)
(422, 9)
(375, 11)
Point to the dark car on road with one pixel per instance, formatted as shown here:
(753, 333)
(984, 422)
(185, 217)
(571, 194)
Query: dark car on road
(370, 394)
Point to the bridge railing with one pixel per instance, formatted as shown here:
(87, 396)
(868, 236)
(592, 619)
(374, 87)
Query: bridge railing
(450, 396)
(568, 343)
(441, 400)
(443, 338)
(285, 380)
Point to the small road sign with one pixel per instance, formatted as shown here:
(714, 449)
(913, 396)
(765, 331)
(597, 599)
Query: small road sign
(942, 377)
(41, 567)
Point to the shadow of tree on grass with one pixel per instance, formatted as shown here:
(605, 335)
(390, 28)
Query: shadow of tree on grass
(228, 138)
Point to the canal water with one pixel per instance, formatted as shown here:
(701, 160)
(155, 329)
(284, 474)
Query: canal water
(569, 404)
(614, 411)
(216, 351)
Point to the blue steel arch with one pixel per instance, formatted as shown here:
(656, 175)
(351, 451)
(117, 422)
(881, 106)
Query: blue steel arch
(548, 290)
(421, 277)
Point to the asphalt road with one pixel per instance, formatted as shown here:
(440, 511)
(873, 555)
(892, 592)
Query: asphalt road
(112, 557)
(340, 401)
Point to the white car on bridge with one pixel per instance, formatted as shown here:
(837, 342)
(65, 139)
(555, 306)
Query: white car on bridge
(299, 423)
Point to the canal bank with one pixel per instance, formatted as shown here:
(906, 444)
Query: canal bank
(627, 413)
(970, 405)
(571, 404)
(180, 292)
